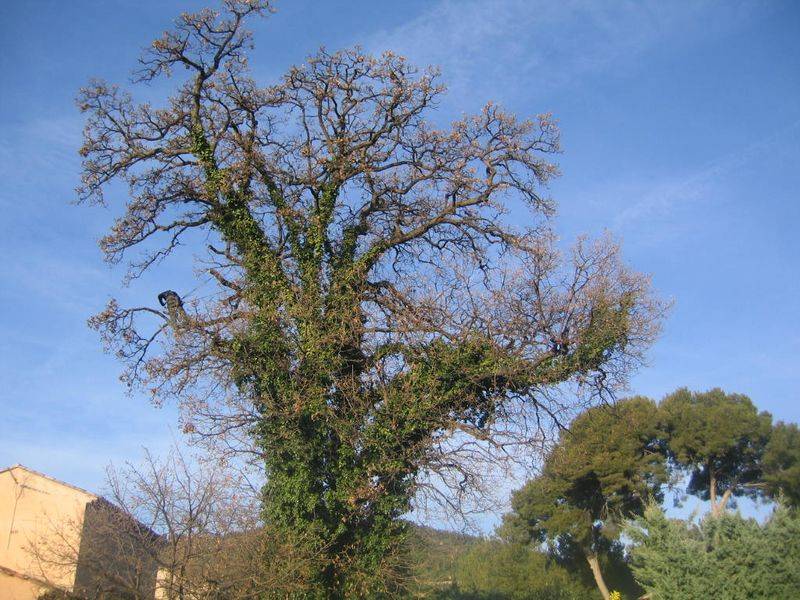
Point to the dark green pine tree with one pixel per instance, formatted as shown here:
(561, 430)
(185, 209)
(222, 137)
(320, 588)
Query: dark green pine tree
(604, 470)
(719, 440)
(724, 556)
(781, 464)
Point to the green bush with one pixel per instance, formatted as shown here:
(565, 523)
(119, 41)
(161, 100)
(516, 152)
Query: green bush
(465, 568)
(496, 570)
(721, 557)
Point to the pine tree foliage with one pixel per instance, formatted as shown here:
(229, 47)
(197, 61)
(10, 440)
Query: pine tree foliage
(781, 463)
(719, 440)
(603, 471)
(726, 556)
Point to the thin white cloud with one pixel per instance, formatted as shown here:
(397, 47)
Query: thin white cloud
(40, 147)
(502, 48)
(666, 197)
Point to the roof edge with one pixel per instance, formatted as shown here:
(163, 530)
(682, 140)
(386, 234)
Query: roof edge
(53, 479)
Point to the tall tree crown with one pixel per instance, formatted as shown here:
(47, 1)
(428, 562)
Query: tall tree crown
(718, 438)
(373, 321)
(603, 470)
(781, 463)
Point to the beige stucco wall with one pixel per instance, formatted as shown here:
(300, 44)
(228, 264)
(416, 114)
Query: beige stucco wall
(18, 588)
(36, 511)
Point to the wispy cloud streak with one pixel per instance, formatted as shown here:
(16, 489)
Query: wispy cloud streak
(698, 186)
(500, 48)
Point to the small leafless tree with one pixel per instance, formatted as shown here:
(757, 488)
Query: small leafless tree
(174, 530)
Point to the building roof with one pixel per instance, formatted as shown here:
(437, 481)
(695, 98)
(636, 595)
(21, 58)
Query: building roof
(95, 497)
(48, 477)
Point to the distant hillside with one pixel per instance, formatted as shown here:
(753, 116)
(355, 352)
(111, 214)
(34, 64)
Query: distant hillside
(454, 566)
(436, 555)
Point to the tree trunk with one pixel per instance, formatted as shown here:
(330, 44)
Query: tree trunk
(594, 565)
(724, 500)
(712, 491)
(716, 506)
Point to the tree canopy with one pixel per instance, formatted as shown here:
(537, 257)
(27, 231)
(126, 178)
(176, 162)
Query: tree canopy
(781, 463)
(602, 471)
(719, 439)
(370, 325)
(611, 465)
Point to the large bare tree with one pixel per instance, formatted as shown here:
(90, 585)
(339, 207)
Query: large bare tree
(385, 303)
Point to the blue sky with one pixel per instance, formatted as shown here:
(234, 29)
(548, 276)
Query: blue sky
(681, 132)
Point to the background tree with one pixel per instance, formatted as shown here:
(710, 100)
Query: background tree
(449, 565)
(726, 556)
(494, 570)
(602, 471)
(781, 463)
(719, 440)
(368, 322)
